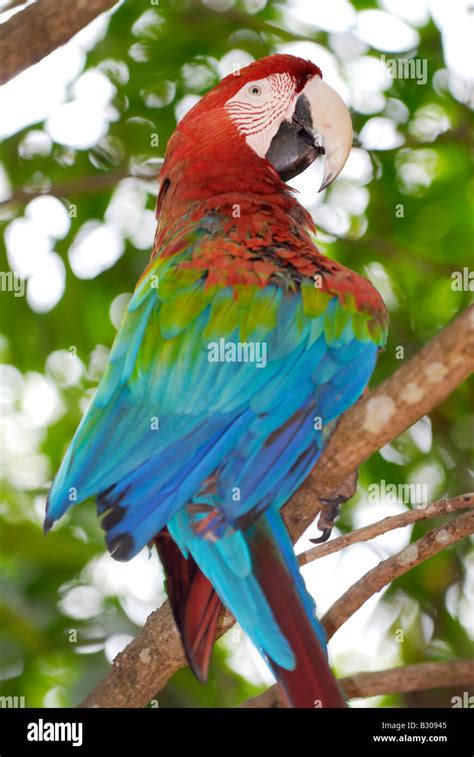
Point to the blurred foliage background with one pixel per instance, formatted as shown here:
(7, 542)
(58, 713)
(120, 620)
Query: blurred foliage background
(83, 132)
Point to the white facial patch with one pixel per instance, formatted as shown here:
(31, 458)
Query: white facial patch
(259, 108)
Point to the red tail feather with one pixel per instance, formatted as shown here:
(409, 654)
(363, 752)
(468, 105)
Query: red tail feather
(194, 602)
(196, 609)
(311, 683)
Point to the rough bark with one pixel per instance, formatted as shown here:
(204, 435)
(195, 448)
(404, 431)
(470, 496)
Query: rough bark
(33, 33)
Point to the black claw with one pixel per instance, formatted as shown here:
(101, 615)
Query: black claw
(327, 518)
(324, 536)
(331, 507)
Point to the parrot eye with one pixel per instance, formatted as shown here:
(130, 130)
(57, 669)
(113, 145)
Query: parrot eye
(255, 90)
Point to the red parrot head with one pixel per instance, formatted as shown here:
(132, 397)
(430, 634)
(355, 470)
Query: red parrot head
(272, 118)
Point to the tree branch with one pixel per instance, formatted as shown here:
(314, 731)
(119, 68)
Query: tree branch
(372, 582)
(13, 4)
(33, 33)
(83, 185)
(146, 664)
(435, 510)
(422, 676)
(419, 677)
(411, 392)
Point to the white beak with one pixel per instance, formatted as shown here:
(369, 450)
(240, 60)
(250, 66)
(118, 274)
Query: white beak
(331, 127)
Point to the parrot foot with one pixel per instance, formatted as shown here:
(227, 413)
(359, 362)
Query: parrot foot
(332, 506)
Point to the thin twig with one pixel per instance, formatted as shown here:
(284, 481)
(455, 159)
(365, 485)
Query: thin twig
(80, 186)
(436, 509)
(419, 677)
(372, 582)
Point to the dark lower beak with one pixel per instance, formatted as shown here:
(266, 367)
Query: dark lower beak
(292, 149)
(320, 125)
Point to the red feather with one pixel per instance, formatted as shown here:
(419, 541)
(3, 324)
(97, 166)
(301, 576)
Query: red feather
(195, 604)
(311, 683)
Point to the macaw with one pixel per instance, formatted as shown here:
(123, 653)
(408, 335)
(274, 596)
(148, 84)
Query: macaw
(239, 350)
